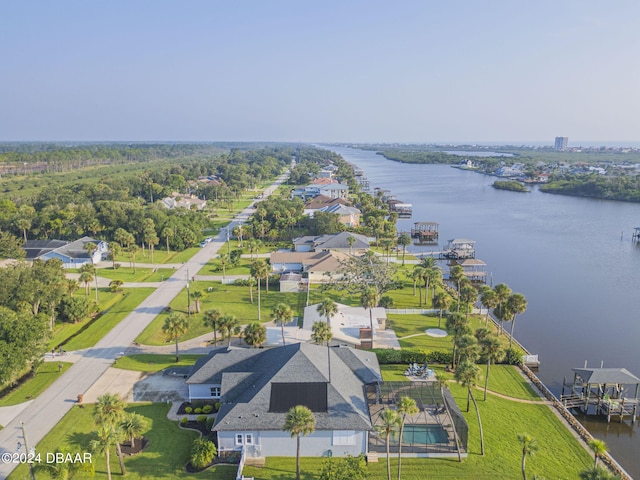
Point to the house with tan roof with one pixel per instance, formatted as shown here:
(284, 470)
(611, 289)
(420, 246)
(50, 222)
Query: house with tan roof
(316, 265)
(177, 200)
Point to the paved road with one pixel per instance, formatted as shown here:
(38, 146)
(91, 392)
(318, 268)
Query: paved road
(47, 410)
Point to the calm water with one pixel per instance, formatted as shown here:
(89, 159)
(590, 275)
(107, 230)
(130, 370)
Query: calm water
(565, 254)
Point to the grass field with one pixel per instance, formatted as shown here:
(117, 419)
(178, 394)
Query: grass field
(124, 303)
(164, 458)
(160, 256)
(149, 363)
(46, 374)
(126, 274)
(230, 299)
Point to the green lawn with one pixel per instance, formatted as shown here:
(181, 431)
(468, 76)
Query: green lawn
(164, 458)
(228, 298)
(128, 301)
(126, 274)
(160, 256)
(46, 374)
(149, 363)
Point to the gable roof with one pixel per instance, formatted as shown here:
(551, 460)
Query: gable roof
(340, 209)
(36, 248)
(323, 181)
(247, 376)
(322, 201)
(75, 249)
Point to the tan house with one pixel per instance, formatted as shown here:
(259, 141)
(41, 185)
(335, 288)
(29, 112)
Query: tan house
(177, 200)
(318, 266)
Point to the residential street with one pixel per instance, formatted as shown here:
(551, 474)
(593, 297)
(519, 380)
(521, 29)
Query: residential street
(47, 409)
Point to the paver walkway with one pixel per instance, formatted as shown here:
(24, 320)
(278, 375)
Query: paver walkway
(50, 406)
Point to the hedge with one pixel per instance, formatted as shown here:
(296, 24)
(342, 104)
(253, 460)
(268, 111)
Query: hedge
(388, 356)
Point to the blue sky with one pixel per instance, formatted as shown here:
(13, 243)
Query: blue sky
(345, 71)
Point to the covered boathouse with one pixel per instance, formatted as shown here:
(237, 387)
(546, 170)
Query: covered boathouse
(603, 391)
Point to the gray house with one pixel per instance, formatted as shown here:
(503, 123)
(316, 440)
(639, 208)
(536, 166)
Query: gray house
(73, 254)
(258, 386)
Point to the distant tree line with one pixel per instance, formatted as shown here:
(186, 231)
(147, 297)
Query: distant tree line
(624, 188)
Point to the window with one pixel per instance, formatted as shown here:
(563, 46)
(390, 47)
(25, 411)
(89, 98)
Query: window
(215, 391)
(238, 439)
(248, 439)
(344, 437)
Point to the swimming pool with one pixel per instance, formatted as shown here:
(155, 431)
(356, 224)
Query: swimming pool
(424, 435)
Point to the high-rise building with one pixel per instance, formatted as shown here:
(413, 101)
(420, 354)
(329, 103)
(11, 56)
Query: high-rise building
(561, 143)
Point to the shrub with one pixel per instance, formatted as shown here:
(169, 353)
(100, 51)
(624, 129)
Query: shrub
(209, 423)
(387, 302)
(512, 357)
(202, 419)
(197, 411)
(388, 356)
(116, 266)
(188, 409)
(184, 420)
(439, 357)
(202, 453)
(207, 409)
(218, 405)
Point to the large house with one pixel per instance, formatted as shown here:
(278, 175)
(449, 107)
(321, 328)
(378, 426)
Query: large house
(317, 265)
(177, 200)
(339, 242)
(73, 254)
(256, 388)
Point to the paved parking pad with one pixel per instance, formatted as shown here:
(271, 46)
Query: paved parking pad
(160, 388)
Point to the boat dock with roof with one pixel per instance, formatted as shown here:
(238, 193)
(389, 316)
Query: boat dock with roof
(603, 391)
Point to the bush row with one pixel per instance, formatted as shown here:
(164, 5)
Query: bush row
(388, 356)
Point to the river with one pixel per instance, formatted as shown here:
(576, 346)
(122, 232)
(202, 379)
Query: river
(572, 258)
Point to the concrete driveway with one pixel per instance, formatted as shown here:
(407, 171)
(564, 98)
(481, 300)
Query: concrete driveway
(160, 388)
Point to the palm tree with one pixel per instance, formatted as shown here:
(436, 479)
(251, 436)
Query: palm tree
(133, 249)
(167, 233)
(114, 250)
(228, 324)
(133, 425)
(390, 421)
(108, 412)
(86, 278)
(598, 474)
(529, 447)
(175, 325)
(106, 438)
(599, 448)
(416, 274)
(350, 241)
(457, 325)
(515, 304)
(492, 350)
(259, 269)
(404, 239)
(239, 233)
(406, 407)
(503, 292)
(299, 421)
(255, 334)
(467, 374)
(368, 300)
(72, 286)
(386, 244)
(441, 301)
(468, 295)
(223, 258)
(489, 300)
(327, 309)
(211, 319)
(321, 333)
(197, 296)
(456, 274)
(282, 313)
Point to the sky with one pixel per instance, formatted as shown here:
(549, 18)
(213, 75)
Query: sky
(320, 71)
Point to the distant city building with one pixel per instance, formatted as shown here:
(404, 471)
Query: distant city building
(561, 143)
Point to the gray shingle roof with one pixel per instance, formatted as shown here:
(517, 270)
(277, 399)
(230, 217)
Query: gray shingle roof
(601, 376)
(246, 376)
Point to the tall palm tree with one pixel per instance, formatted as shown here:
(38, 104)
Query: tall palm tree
(390, 421)
(350, 241)
(282, 313)
(599, 448)
(86, 278)
(259, 269)
(167, 233)
(489, 300)
(492, 351)
(133, 249)
(108, 412)
(516, 304)
(228, 324)
(114, 250)
(197, 297)
(255, 334)
(106, 438)
(468, 295)
(175, 325)
(239, 233)
(321, 333)
(467, 374)
(406, 407)
(72, 286)
(133, 425)
(416, 275)
(404, 239)
(441, 301)
(327, 309)
(503, 292)
(223, 258)
(529, 447)
(211, 319)
(369, 299)
(456, 274)
(299, 421)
